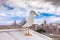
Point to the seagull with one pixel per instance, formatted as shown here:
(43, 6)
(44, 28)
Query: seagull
(28, 22)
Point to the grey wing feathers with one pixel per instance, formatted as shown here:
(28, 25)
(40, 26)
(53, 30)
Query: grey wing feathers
(22, 22)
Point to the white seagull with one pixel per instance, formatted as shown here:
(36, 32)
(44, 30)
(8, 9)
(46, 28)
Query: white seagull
(28, 21)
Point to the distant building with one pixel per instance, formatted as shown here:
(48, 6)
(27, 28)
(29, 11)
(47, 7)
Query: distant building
(34, 27)
(45, 26)
(14, 25)
(53, 28)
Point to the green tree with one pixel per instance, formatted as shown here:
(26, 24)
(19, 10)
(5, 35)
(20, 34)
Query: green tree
(40, 31)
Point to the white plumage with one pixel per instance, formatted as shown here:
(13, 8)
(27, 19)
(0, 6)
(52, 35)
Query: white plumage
(29, 20)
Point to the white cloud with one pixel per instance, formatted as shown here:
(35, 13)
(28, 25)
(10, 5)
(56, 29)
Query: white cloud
(53, 19)
(49, 20)
(16, 3)
(22, 8)
(38, 21)
(54, 2)
(2, 22)
(34, 4)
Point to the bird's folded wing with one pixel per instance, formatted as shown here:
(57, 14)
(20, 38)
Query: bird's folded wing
(22, 22)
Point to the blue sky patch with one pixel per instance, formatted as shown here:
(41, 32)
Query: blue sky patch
(8, 7)
(46, 14)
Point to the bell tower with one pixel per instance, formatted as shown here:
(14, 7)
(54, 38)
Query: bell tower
(45, 26)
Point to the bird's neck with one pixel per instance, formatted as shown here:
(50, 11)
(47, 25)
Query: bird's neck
(31, 16)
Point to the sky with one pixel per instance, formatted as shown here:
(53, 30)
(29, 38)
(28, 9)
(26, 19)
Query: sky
(11, 10)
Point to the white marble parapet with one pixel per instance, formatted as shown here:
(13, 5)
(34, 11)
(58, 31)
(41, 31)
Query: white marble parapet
(18, 34)
(41, 35)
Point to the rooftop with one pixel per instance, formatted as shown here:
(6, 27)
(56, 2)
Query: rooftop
(16, 34)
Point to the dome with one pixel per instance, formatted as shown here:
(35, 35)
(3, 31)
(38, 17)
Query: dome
(58, 27)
